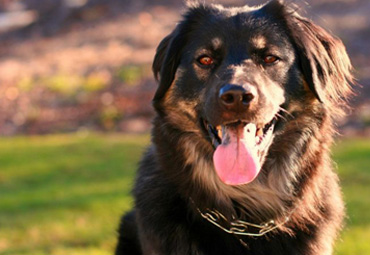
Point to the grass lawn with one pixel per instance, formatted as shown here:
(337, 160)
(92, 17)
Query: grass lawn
(64, 194)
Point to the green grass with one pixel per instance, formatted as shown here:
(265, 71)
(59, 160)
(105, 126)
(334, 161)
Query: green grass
(353, 160)
(64, 194)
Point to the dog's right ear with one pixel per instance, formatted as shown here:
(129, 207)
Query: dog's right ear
(160, 55)
(169, 51)
(166, 61)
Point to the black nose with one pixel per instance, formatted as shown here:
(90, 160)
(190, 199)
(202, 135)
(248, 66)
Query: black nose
(235, 97)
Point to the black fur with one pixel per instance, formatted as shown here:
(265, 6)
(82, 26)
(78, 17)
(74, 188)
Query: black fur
(306, 88)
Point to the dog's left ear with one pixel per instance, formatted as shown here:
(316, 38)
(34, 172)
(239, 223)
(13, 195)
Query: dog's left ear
(324, 62)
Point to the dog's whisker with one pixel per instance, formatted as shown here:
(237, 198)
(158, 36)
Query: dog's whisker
(286, 112)
(281, 117)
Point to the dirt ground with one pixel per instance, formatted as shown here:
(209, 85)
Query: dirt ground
(87, 67)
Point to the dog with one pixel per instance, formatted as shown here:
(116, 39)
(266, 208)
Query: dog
(240, 156)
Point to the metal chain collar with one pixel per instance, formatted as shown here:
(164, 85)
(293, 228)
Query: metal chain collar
(240, 227)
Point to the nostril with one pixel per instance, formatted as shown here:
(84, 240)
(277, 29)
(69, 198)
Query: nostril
(235, 97)
(247, 98)
(228, 98)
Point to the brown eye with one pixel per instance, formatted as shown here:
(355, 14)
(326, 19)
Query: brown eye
(270, 59)
(205, 60)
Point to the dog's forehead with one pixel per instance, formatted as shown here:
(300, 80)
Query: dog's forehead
(242, 17)
(239, 23)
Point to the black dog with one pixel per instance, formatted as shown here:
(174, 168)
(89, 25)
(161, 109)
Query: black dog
(239, 161)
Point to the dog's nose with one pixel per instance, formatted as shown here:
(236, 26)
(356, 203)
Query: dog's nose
(235, 97)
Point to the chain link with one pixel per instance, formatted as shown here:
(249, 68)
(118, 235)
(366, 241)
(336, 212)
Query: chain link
(240, 227)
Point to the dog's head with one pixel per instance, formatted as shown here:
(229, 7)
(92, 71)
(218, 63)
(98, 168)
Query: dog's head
(234, 75)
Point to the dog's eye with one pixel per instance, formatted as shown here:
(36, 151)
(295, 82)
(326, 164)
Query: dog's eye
(205, 60)
(270, 59)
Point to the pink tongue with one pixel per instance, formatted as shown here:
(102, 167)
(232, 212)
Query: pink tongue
(235, 160)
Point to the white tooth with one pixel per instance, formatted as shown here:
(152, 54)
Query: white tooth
(219, 133)
(259, 132)
(250, 131)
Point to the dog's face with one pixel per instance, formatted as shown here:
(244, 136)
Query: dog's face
(231, 75)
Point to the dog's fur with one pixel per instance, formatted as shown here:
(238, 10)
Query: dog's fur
(307, 88)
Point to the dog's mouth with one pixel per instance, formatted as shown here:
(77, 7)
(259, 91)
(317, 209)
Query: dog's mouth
(218, 133)
(240, 149)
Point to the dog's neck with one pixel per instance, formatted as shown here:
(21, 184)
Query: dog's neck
(239, 227)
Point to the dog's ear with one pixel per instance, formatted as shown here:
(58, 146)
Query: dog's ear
(165, 63)
(322, 57)
(169, 51)
(324, 60)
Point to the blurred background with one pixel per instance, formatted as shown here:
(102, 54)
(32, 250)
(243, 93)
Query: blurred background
(75, 111)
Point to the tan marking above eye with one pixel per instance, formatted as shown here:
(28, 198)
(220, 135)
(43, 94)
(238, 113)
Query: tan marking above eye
(259, 42)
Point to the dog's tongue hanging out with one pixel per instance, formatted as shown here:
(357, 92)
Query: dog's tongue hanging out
(236, 160)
